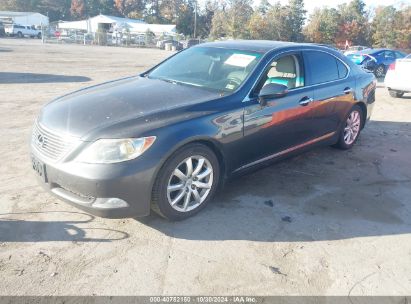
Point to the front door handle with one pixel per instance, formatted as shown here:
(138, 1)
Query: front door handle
(306, 100)
(347, 91)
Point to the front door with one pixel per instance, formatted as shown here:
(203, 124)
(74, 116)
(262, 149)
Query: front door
(282, 123)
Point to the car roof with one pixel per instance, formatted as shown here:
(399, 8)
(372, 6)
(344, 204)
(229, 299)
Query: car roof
(260, 46)
(372, 51)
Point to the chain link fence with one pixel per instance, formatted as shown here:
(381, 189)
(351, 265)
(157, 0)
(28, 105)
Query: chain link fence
(122, 38)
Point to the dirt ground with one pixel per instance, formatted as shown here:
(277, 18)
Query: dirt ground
(327, 222)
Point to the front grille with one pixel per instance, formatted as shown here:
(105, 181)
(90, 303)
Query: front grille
(50, 144)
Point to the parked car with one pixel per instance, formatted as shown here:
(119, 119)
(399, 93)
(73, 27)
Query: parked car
(162, 43)
(190, 42)
(354, 49)
(22, 31)
(398, 78)
(2, 32)
(376, 60)
(168, 137)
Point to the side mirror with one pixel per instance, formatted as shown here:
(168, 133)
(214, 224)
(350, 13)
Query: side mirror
(272, 90)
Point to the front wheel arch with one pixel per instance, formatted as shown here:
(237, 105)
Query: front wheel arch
(157, 203)
(206, 141)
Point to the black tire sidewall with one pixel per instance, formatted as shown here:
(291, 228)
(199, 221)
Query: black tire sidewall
(163, 177)
(341, 142)
(381, 66)
(396, 94)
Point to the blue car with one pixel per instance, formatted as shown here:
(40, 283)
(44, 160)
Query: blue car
(376, 60)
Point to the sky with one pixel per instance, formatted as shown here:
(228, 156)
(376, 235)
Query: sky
(310, 5)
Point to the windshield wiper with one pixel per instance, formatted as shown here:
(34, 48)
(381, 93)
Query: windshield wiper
(168, 80)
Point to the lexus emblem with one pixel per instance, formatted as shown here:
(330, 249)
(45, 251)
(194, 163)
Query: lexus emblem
(40, 141)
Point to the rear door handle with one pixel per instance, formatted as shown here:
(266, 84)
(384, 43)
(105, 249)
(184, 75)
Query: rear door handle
(306, 100)
(347, 91)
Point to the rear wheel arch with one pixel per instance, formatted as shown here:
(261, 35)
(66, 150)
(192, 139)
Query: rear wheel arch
(363, 107)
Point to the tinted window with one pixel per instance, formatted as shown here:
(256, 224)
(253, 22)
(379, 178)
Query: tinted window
(389, 55)
(399, 55)
(286, 70)
(322, 66)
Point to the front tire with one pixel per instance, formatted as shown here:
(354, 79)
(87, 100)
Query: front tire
(396, 94)
(186, 182)
(351, 128)
(20, 35)
(380, 71)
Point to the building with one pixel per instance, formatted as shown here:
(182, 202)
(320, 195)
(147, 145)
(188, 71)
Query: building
(112, 23)
(92, 24)
(24, 18)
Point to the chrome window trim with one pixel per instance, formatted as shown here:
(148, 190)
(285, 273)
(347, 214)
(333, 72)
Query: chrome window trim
(248, 97)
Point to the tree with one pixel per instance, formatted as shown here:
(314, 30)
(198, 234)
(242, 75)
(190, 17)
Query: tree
(184, 18)
(218, 29)
(105, 7)
(263, 7)
(18, 5)
(404, 29)
(233, 20)
(322, 26)
(353, 24)
(130, 8)
(392, 27)
(77, 9)
(295, 18)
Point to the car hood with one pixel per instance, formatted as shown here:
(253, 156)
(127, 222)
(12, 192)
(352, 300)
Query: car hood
(100, 106)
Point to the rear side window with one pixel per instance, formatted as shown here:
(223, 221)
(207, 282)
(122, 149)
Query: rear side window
(342, 69)
(399, 55)
(324, 67)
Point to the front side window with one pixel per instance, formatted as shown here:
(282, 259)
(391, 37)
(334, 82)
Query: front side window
(211, 68)
(389, 55)
(323, 67)
(287, 70)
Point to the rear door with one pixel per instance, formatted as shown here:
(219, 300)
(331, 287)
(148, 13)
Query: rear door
(333, 90)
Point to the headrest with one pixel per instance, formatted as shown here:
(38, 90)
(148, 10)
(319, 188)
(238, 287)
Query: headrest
(286, 65)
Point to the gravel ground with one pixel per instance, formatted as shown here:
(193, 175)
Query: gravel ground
(327, 222)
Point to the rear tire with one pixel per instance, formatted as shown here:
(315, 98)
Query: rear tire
(186, 183)
(351, 128)
(396, 94)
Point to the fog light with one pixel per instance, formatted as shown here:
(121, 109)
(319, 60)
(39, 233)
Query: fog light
(109, 203)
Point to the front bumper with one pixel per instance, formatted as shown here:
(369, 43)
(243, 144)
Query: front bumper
(87, 185)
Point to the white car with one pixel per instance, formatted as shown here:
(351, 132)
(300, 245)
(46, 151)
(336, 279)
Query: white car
(22, 31)
(398, 78)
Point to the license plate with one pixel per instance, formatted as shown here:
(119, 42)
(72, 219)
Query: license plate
(39, 168)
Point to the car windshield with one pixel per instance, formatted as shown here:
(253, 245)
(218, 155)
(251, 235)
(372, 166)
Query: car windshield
(211, 68)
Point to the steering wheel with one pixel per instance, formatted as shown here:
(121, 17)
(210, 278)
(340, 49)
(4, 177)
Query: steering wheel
(234, 80)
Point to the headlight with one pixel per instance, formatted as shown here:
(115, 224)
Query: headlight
(105, 151)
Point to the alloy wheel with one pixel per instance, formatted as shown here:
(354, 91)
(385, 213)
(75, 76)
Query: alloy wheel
(352, 127)
(190, 183)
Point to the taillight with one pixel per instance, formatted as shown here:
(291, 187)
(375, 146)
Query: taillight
(392, 66)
